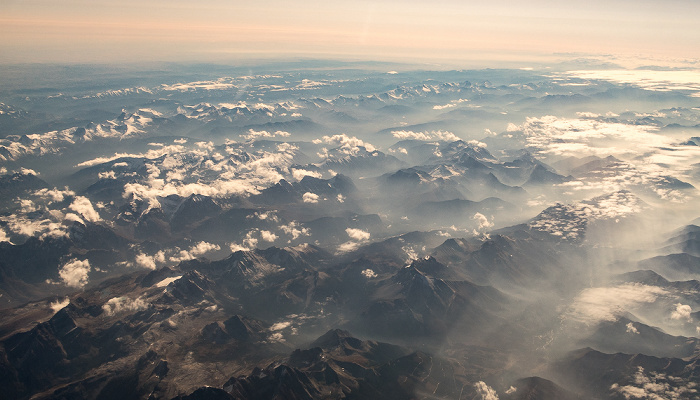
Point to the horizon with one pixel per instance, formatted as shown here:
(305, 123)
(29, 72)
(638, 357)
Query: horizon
(447, 32)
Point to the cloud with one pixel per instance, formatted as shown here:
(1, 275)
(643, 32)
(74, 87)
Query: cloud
(309, 197)
(54, 195)
(27, 206)
(27, 171)
(483, 222)
(117, 305)
(452, 104)
(348, 246)
(485, 391)
(280, 325)
(444, 136)
(585, 137)
(233, 168)
(193, 252)
(631, 328)
(3, 236)
(276, 337)
(252, 134)
(347, 144)
(442, 107)
(655, 80)
(203, 248)
(299, 174)
(234, 247)
(570, 220)
(599, 304)
(107, 175)
(57, 305)
(650, 156)
(656, 386)
(145, 261)
(83, 206)
(295, 230)
(368, 273)
(268, 236)
(357, 234)
(682, 311)
(75, 273)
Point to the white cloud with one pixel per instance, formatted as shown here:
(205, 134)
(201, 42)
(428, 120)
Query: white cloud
(268, 236)
(3, 236)
(368, 273)
(657, 386)
(357, 234)
(631, 328)
(117, 305)
(483, 222)
(145, 261)
(195, 251)
(347, 144)
(485, 391)
(234, 247)
(75, 273)
(107, 175)
(646, 79)
(27, 171)
(584, 137)
(598, 304)
(444, 136)
(295, 230)
(203, 248)
(299, 174)
(83, 206)
(442, 107)
(578, 215)
(348, 246)
(452, 104)
(57, 305)
(252, 134)
(682, 311)
(309, 197)
(27, 205)
(280, 325)
(54, 195)
(276, 337)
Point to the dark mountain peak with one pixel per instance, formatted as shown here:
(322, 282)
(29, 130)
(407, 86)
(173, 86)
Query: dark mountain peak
(274, 382)
(471, 163)
(536, 388)
(62, 322)
(646, 276)
(408, 175)
(431, 266)
(333, 338)
(18, 183)
(540, 175)
(244, 328)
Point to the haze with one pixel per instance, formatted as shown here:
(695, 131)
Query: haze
(437, 31)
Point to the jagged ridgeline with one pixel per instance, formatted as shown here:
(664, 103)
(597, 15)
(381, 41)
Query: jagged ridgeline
(317, 232)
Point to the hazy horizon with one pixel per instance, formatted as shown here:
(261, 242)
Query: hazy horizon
(449, 32)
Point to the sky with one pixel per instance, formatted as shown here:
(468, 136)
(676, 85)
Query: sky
(98, 31)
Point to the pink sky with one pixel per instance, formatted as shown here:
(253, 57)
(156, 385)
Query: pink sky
(440, 31)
